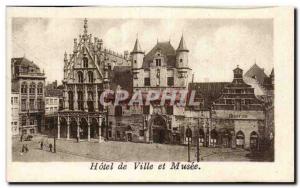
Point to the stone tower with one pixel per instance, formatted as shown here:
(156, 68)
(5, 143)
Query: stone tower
(137, 57)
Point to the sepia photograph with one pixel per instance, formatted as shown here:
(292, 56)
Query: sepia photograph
(142, 89)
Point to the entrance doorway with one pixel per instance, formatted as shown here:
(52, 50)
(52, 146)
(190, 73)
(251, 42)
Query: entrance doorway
(253, 140)
(240, 139)
(160, 131)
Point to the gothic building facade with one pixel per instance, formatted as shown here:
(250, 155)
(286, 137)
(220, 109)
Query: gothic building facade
(87, 73)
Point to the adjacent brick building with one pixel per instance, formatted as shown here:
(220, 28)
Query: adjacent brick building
(28, 82)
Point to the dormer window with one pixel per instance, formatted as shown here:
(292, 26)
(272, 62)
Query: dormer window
(158, 62)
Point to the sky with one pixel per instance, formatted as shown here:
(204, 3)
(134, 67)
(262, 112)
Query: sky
(216, 46)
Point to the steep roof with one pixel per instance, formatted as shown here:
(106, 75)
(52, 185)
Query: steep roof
(53, 92)
(122, 76)
(209, 91)
(272, 73)
(166, 49)
(22, 61)
(137, 47)
(182, 45)
(257, 73)
(258, 88)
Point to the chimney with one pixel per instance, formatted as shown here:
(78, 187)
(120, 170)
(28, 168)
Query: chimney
(126, 54)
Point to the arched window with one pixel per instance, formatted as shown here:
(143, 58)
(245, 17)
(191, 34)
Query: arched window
(40, 89)
(85, 62)
(90, 101)
(91, 77)
(80, 77)
(80, 100)
(240, 139)
(24, 88)
(213, 137)
(253, 140)
(90, 96)
(32, 89)
(71, 100)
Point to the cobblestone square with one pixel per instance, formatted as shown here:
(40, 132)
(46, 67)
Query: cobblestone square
(70, 150)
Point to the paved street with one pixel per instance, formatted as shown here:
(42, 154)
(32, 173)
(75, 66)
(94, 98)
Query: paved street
(69, 150)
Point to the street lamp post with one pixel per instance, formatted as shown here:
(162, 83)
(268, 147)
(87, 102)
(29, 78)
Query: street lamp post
(198, 140)
(188, 134)
(54, 136)
(106, 130)
(145, 124)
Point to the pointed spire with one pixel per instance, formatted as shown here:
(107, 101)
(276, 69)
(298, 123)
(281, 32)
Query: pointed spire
(65, 56)
(137, 47)
(182, 46)
(85, 26)
(272, 73)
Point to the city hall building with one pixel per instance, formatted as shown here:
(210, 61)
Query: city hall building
(228, 114)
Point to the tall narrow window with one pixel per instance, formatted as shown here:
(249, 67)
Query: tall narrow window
(32, 89)
(23, 104)
(91, 77)
(24, 88)
(71, 100)
(158, 62)
(31, 104)
(90, 101)
(40, 89)
(118, 111)
(170, 81)
(170, 77)
(85, 62)
(39, 104)
(80, 100)
(80, 77)
(147, 78)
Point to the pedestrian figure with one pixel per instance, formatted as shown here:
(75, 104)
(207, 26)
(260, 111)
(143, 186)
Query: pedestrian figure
(23, 148)
(77, 139)
(50, 147)
(21, 138)
(26, 148)
(42, 144)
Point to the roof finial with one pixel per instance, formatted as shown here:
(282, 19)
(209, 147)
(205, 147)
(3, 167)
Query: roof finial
(65, 56)
(85, 26)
